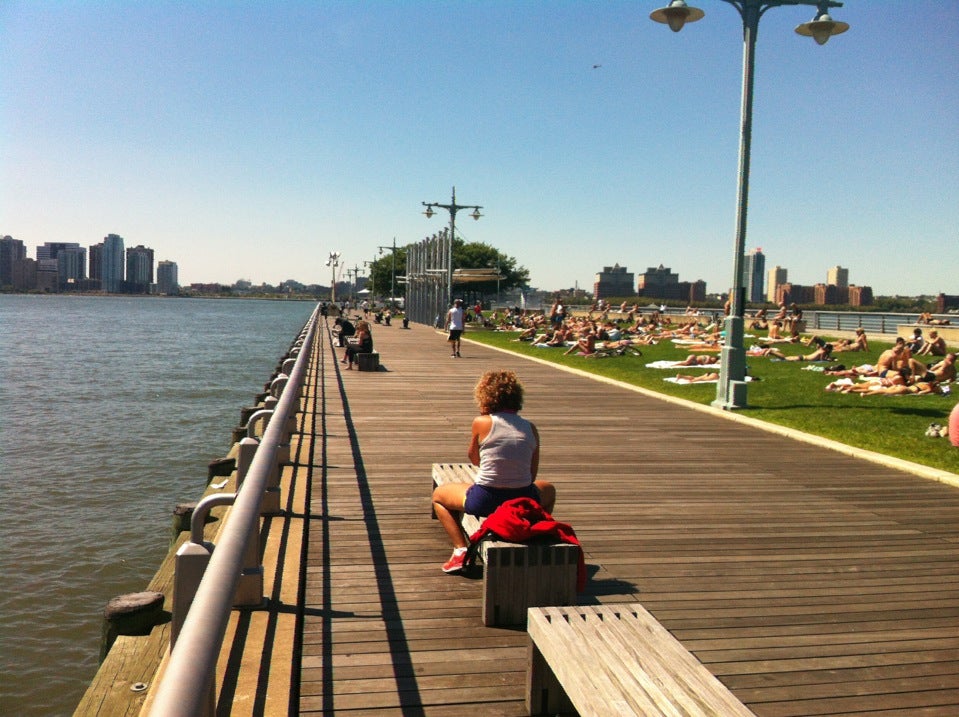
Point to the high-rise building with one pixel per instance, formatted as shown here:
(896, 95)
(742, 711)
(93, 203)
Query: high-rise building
(837, 276)
(71, 267)
(139, 269)
(754, 270)
(111, 264)
(51, 249)
(167, 280)
(96, 263)
(613, 281)
(777, 277)
(11, 251)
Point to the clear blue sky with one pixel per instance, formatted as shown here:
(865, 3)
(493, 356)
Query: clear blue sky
(250, 139)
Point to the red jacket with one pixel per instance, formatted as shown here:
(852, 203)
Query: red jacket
(522, 519)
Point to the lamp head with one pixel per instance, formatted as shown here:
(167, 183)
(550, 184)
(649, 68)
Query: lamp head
(476, 214)
(676, 15)
(822, 28)
(429, 211)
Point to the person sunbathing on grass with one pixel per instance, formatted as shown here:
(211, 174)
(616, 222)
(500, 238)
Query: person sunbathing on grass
(860, 343)
(940, 372)
(585, 346)
(872, 383)
(698, 360)
(820, 354)
(935, 345)
(701, 378)
(893, 359)
(923, 388)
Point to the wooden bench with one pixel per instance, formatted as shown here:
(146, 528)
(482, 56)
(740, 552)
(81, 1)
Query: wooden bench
(617, 660)
(516, 576)
(368, 361)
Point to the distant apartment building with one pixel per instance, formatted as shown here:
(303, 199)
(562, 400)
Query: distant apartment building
(167, 278)
(661, 283)
(837, 276)
(613, 281)
(71, 268)
(95, 266)
(139, 269)
(860, 295)
(25, 275)
(776, 278)
(112, 264)
(11, 251)
(754, 269)
(51, 250)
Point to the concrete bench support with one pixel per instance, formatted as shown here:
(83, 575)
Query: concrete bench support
(368, 362)
(617, 659)
(517, 576)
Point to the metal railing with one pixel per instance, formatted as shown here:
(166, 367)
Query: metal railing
(188, 683)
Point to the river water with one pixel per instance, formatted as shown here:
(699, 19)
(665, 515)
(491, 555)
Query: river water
(110, 410)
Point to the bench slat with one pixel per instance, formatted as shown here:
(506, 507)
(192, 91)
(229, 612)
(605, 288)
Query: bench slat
(618, 659)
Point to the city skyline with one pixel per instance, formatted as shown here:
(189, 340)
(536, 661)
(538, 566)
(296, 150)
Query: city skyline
(752, 268)
(252, 140)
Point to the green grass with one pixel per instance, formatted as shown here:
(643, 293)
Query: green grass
(788, 396)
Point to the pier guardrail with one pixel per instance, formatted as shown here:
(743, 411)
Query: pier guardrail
(187, 686)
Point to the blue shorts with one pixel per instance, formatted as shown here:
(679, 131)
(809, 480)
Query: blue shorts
(481, 500)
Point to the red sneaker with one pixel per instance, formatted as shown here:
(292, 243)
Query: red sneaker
(456, 562)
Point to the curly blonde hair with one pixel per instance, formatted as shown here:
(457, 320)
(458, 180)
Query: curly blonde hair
(498, 391)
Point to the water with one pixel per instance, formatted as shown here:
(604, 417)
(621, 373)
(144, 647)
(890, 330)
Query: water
(110, 410)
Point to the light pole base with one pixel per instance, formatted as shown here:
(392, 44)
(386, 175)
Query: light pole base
(735, 397)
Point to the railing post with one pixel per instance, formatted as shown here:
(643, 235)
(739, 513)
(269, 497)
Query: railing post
(278, 384)
(191, 561)
(244, 458)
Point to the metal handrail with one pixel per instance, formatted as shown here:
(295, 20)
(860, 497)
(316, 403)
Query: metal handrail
(188, 680)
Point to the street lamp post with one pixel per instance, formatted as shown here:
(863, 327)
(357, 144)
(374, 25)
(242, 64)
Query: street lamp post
(731, 391)
(392, 270)
(452, 208)
(333, 261)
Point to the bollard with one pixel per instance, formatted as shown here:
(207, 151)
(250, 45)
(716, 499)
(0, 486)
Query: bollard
(182, 513)
(130, 614)
(221, 467)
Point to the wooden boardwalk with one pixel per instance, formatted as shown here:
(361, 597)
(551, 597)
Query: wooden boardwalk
(810, 582)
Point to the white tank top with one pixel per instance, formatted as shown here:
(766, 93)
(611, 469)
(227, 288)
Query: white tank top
(506, 452)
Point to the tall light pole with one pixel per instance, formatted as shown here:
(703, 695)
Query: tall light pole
(333, 261)
(731, 391)
(452, 208)
(392, 270)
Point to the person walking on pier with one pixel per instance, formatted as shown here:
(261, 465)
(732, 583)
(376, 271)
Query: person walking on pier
(505, 447)
(455, 324)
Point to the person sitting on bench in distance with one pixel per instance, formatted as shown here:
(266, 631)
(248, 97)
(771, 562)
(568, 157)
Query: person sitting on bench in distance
(346, 329)
(505, 447)
(362, 344)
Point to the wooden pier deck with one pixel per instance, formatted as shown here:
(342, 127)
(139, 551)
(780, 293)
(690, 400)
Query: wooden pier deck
(808, 581)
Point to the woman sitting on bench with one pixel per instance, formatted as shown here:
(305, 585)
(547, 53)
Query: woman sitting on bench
(361, 343)
(505, 446)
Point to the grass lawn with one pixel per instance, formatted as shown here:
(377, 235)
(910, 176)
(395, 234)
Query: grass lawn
(786, 395)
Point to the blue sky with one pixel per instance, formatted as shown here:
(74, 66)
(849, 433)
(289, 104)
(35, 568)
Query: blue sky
(249, 140)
